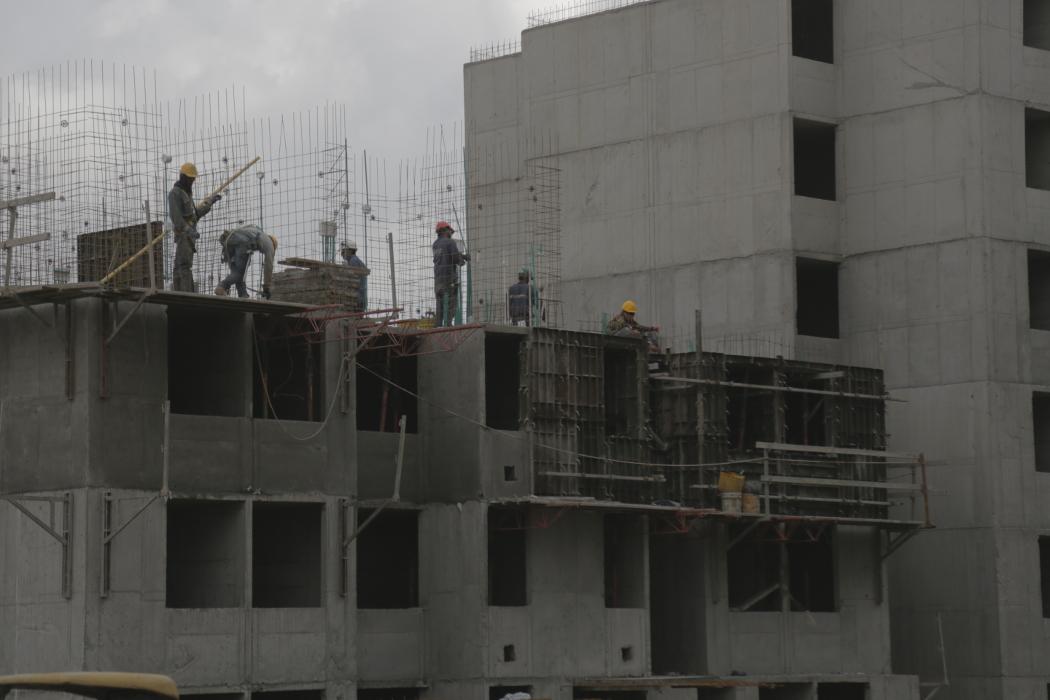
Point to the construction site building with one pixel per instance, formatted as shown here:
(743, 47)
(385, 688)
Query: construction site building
(258, 498)
(843, 181)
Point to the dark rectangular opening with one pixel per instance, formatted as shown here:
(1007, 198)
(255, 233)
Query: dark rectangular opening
(815, 159)
(817, 297)
(500, 692)
(387, 385)
(813, 30)
(287, 376)
(715, 693)
(507, 556)
(212, 696)
(1041, 430)
(1037, 149)
(753, 572)
(805, 415)
(622, 395)
(750, 411)
(624, 561)
(304, 694)
(811, 572)
(205, 554)
(1036, 19)
(1039, 290)
(502, 381)
(388, 560)
(678, 602)
(1044, 573)
(842, 691)
(388, 693)
(789, 691)
(593, 694)
(205, 350)
(286, 555)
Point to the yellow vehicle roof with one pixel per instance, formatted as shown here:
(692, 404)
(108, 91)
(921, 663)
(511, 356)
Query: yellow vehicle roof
(93, 684)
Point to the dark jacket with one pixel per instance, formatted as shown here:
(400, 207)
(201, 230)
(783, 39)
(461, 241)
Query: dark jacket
(184, 213)
(447, 261)
(522, 300)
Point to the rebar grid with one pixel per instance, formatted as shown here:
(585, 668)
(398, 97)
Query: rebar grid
(572, 10)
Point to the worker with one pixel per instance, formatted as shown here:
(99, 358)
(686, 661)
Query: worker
(447, 261)
(523, 300)
(624, 324)
(349, 253)
(237, 248)
(184, 217)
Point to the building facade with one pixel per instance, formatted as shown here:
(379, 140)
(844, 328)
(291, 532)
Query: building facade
(836, 180)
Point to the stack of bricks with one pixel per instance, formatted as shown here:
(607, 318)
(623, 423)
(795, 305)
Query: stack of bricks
(319, 283)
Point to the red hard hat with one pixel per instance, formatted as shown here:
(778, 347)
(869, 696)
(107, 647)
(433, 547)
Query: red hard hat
(442, 225)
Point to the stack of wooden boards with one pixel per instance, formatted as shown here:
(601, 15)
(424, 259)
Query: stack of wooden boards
(319, 283)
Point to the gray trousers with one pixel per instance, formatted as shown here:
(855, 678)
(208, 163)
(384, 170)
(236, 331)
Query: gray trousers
(447, 300)
(182, 274)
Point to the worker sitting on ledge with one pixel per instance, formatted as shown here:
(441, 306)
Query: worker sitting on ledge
(624, 325)
(237, 248)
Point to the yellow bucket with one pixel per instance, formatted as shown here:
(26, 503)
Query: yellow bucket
(730, 482)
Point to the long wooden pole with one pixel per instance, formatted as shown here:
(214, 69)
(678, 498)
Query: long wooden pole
(149, 246)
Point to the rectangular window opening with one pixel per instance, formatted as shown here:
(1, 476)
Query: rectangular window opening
(715, 693)
(304, 694)
(1041, 430)
(1037, 149)
(286, 555)
(499, 692)
(817, 297)
(805, 415)
(622, 391)
(201, 380)
(387, 385)
(287, 376)
(502, 381)
(624, 561)
(212, 696)
(1044, 573)
(589, 694)
(842, 691)
(1039, 290)
(388, 693)
(205, 554)
(507, 535)
(1036, 19)
(789, 691)
(388, 560)
(815, 159)
(812, 30)
(750, 412)
(811, 567)
(753, 571)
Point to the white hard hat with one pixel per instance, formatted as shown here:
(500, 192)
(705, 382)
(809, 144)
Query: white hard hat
(350, 244)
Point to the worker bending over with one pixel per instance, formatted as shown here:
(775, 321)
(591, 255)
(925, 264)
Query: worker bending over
(349, 253)
(447, 261)
(184, 217)
(237, 248)
(623, 324)
(523, 300)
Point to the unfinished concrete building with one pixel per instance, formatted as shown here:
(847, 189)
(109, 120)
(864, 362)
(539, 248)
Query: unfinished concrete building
(845, 181)
(261, 499)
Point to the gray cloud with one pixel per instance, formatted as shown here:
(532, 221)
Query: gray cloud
(398, 64)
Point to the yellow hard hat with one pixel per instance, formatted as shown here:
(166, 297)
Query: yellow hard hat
(630, 307)
(188, 169)
(273, 239)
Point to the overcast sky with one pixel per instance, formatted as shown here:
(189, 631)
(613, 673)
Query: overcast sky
(397, 64)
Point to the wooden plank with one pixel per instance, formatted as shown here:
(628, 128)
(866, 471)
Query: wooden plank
(23, 201)
(308, 263)
(822, 450)
(811, 481)
(608, 477)
(24, 240)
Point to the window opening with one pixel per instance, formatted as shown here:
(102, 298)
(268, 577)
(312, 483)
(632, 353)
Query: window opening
(507, 556)
(1037, 148)
(380, 404)
(815, 159)
(287, 373)
(502, 381)
(205, 554)
(812, 30)
(817, 297)
(201, 379)
(621, 391)
(388, 560)
(1041, 430)
(1036, 19)
(624, 561)
(1039, 290)
(286, 555)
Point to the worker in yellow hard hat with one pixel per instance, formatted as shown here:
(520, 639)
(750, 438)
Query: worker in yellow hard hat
(184, 215)
(237, 248)
(624, 324)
